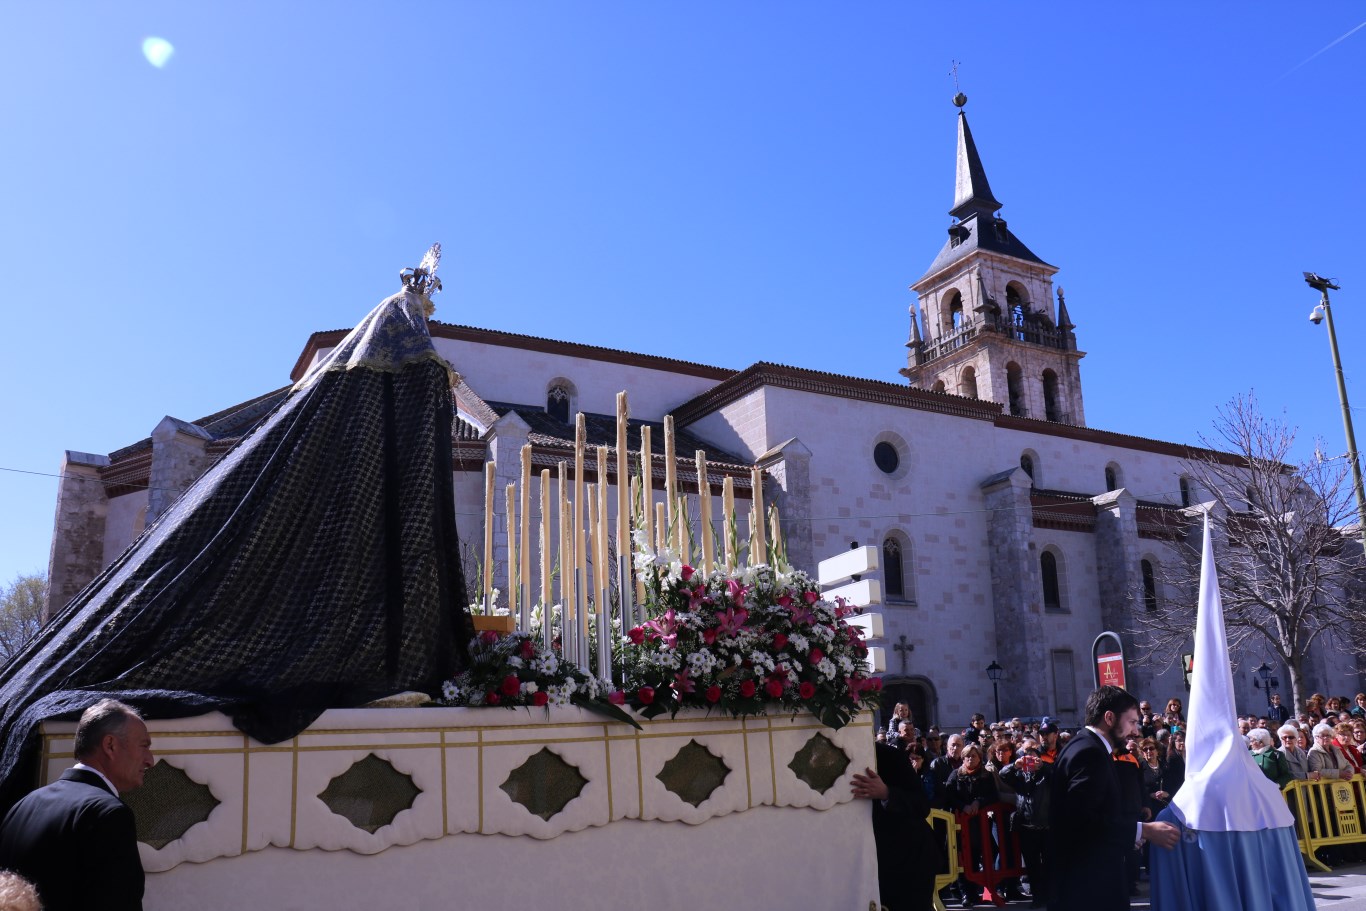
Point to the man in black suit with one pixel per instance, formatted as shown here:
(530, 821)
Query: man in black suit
(1091, 834)
(907, 855)
(74, 839)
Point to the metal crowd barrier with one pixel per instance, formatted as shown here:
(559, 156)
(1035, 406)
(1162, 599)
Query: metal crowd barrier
(1327, 812)
(946, 831)
(1000, 847)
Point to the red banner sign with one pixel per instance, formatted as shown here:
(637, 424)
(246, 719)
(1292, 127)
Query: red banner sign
(1110, 669)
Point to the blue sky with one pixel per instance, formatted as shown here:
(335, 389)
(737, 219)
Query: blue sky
(724, 183)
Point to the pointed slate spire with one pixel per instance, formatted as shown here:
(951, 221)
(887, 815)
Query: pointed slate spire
(916, 341)
(972, 193)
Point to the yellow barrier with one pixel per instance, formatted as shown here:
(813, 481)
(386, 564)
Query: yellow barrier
(1327, 812)
(946, 828)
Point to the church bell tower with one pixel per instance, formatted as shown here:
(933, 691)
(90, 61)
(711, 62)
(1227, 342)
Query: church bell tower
(986, 305)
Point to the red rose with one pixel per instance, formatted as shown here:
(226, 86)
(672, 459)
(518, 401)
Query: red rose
(807, 689)
(810, 597)
(636, 635)
(747, 688)
(488, 637)
(539, 698)
(709, 635)
(815, 656)
(528, 649)
(779, 640)
(774, 687)
(785, 601)
(874, 684)
(687, 573)
(646, 695)
(511, 685)
(713, 693)
(492, 698)
(616, 697)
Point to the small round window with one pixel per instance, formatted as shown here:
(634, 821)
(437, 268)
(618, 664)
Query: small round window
(886, 457)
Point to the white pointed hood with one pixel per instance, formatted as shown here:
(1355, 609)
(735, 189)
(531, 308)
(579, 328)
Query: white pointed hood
(1224, 791)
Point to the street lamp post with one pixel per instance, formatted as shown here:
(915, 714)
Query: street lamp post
(1325, 312)
(996, 672)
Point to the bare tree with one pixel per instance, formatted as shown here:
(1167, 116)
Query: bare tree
(22, 603)
(1291, 574)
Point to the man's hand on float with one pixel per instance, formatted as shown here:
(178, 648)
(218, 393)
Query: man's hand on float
(1162, 834)
(869, 786)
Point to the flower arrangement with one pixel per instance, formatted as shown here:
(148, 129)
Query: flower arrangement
(744, 641)
(516, 669)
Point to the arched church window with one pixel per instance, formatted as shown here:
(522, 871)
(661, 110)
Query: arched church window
(956, 312)
(1052, 590)
(1149, 585)
(967, 384)
(1015, 387)
(557, 402)
(1027, 465)
(1112, 478)
(1186, 496)
(1050, 396)
(893, 571)
(938, 386)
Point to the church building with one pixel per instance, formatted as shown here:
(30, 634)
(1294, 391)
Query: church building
(1008, 529)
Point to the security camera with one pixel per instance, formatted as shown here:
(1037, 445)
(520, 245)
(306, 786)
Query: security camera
(1316, 315)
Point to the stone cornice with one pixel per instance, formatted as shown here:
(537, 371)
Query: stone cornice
(832, 384)
(331, 337)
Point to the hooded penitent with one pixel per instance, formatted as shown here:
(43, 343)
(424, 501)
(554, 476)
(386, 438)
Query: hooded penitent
(1237, 847)
(315, 566)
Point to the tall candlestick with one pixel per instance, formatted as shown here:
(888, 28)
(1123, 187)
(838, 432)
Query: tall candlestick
(776, 535)
(647, 486)
(580, 564)
(511, 493)
(670, 466)
(546, 600)
(661, 527)
(758, 544)
(524, 568)
(603, 571)
(489, 470)
(729, 529)
(704, 512)
(623, 471)
(644, 525)
(566, 569)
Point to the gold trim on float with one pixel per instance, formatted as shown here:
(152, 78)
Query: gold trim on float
(246, 791)
(607, 752)
(773, 760)
(479, 777)
(294, 794)
(445, 794)
(749, 784)
(640, 780)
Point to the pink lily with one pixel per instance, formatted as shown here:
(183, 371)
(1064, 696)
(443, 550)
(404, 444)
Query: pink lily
(731, 621)
(736, 590)
(683, 683)
(803, 614)
(667, 627)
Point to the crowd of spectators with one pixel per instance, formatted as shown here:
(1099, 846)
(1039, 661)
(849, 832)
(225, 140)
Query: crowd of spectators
(981, 766)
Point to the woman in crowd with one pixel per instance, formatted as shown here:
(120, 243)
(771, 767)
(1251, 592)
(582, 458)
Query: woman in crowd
(1175, 775)
(1156, 796)
(1345, 742)
(1326, 758)
(970, 789)
(1313, 707)
(1296, 758)
(1174, 707)
(1271, 761)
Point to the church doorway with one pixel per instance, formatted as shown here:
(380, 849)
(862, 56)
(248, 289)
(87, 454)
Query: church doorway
(917, 692)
